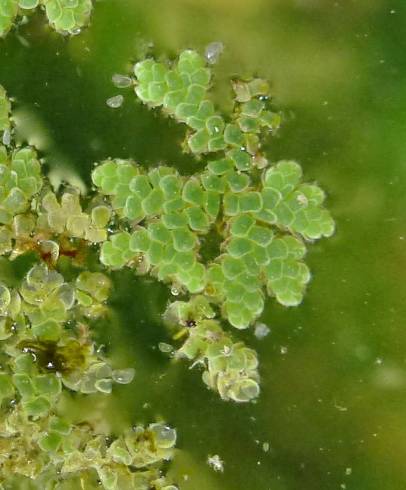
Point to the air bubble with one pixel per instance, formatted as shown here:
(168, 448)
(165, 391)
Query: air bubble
(6, 137)
(115, 102)
(123, 376)
(261, 330)
(166, 348)
(121, 81)
(213, 52)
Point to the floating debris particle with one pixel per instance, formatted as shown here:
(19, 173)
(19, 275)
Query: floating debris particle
(6, 137)
(121, 81)
(213, 52)
(216, 463)
(166, 348)
(123, 376)
(261, 330)
(115, 102)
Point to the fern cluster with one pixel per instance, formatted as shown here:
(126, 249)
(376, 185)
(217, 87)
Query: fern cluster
(65, 16)
(46, 347)
(263, 213)
(154, 222)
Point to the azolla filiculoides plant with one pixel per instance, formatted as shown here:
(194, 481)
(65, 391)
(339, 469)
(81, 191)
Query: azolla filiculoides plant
(47, 352)
(262, 211)
(65, 16)
(152, 222)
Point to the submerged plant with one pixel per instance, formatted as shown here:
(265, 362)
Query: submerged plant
(153, 222)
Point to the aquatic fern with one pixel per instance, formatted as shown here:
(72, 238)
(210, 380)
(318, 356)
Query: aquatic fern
(230, 368)
(65, 16)
(47, 349)
(263, 212)
(20, 180)
(182, 90)
(155, 222)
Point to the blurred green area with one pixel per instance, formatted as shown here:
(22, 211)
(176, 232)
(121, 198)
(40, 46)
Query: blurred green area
(333, 400)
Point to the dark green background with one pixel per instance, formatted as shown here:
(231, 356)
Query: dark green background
(333, 401)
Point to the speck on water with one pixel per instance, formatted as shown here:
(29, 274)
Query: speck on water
(213, 52)
(121, 81)
(115, 102)
(261, 330)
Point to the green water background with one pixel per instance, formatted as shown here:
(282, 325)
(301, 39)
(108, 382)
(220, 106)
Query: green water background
(333, 401)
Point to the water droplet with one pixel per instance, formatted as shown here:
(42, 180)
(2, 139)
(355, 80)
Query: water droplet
(213, 52)
(165, 436)
(123, 376)
(115, 102)
(6, 137)
(121, 81)
(166, 348)
(261, 330)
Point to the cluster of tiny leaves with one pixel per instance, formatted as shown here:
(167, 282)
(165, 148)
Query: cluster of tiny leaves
(263, 230)
(230, 368)
(65, 16)
(167, 214)
(263, 213)
(181, 89)
(42, 359)
(47, 352)
(32, 216)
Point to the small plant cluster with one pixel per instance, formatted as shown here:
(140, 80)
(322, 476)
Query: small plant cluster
(46, 347)
(65, 16)
(155, 222)
(263, 213)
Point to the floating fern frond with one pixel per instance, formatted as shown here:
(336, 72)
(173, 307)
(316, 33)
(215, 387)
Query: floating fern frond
(152, 221)
(65, 16)
(20, 180)
(292, 205)
(181, 89)
(230, 368)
